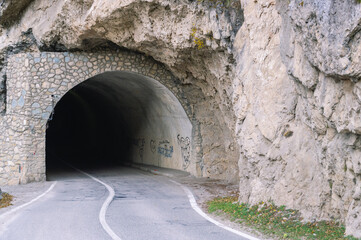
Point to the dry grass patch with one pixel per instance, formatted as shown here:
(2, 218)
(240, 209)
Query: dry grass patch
(6, 200)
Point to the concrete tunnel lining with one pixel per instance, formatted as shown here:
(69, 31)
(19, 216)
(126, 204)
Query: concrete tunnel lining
(118, 117)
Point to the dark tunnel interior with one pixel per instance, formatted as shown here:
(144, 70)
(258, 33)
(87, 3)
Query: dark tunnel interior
(85, 129)
(115, 118)
(93, 124)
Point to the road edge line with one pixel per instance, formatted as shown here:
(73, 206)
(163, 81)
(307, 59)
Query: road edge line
(196, 208)
(28, 203)
(105, 205)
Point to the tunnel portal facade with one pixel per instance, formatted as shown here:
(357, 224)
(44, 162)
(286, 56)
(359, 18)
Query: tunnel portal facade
(36, 82)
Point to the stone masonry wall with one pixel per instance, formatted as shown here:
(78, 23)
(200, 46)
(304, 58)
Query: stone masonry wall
(36, 81)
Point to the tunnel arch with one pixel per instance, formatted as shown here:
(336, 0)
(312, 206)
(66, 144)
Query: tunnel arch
(119, 117)
(38, 81)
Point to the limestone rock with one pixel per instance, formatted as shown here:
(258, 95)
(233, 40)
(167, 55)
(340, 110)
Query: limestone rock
(10, 10)
(303, 151)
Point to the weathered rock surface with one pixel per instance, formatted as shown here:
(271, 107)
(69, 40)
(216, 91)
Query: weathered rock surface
(10, 10)
(300, 133)
(275, 85)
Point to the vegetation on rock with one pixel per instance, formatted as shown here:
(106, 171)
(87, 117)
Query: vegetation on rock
(222, 3)
(197, 41)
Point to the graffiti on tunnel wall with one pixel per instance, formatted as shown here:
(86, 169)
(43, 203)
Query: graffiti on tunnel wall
(140, 142)
(165, 149)
(152, 146)
(184, 143)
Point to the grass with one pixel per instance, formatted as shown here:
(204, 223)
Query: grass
(6, 200)
(277, 221)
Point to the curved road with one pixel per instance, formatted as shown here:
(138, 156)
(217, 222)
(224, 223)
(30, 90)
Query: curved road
(145, 206)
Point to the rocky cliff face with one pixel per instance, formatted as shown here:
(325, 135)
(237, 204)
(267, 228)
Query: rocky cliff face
(299, 133)
(274, 84)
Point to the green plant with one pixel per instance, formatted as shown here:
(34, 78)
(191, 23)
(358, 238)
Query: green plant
(217, 3)
(288, 134)
(277, 221)
(330, 183)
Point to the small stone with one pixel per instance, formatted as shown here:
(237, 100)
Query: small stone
(35, 105)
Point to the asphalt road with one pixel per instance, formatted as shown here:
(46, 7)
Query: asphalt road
(145, 206)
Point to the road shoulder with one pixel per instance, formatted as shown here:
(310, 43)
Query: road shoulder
(24, 193)
(204, 190)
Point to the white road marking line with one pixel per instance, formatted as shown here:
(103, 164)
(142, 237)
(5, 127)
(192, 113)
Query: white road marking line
(28, 203)
(105, 205)
(196, 208)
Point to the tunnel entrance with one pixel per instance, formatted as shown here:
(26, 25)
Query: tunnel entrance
(115, 118)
